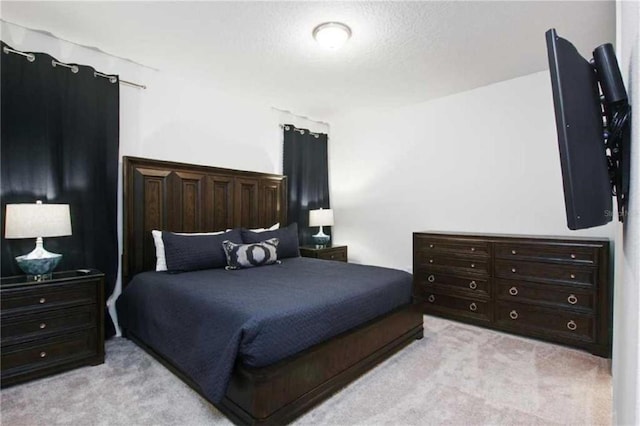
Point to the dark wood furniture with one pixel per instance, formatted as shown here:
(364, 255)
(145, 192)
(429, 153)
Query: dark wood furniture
(181, 197)
(188, 198)
(51, 326)
(338, 253)
(556, 289)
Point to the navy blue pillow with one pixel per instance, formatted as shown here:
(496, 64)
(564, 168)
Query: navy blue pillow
(193, 252)
(288, 237)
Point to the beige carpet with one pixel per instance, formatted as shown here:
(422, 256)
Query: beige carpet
(456, 375)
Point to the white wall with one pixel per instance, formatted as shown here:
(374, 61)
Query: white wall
(177, 118)
(626, 337)
(482, 161)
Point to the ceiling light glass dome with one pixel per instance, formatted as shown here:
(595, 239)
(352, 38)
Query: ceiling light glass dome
(332, 35)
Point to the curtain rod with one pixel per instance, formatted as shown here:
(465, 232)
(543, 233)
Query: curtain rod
(301, 131)
(300, 116)
(74, 68)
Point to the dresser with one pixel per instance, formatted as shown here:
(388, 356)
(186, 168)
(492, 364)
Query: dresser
(338, 253)
(555, 289)
(50, 326)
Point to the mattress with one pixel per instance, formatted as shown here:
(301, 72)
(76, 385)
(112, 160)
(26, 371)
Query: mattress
(206, 321)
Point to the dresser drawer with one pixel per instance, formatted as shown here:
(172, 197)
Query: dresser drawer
(542, 271)
(563, 323)
(441, 262)
(48, 352)
(430, 278)
(30, 327)
(338, 254)
(48, 297)
(428, 244)
(545, 251)
(547, 294)
(455, 305)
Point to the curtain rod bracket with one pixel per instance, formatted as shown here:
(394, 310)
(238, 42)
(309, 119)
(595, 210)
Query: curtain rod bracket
(30, 56)
(74, 68)
(301, 131)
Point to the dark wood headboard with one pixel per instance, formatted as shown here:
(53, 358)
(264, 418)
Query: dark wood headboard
(182, 197)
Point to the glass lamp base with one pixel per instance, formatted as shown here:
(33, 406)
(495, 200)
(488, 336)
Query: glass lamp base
(39, 262)
(38, 266)
(320, 239)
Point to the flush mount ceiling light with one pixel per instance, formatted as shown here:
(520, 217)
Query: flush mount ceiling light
(332, 35)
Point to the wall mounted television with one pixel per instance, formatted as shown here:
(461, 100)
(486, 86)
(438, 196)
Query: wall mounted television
(593, 124)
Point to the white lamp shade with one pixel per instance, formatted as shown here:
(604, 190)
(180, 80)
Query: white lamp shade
(37, 220)
(321, 217)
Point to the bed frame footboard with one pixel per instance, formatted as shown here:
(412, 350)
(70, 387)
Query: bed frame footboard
(279, 393)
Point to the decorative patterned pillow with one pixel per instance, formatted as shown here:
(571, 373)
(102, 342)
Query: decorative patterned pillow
(250, 255)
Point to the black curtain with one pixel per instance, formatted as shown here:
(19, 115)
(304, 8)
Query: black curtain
(60, 137)
(305, 163)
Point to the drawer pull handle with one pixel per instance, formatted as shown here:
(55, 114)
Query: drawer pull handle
(43, 354)
(514, 252)
(431, 298)
(473, 249)
(572, 299)
(571, 325)
(473, 265)
(430, 245)
(43, 325)
(473, 285)
(42, 300)
(573, 256)
(431, 278)
(513, 315)
(513, 291)
(473, 307)
(430, 260)
(513, 270)
(573, 276)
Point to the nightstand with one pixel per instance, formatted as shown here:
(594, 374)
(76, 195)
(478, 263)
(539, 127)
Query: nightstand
(338, 253)
(50, 326)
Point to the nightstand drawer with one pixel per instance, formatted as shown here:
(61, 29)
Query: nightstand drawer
(431, 278)
(30, 327)
(41, 354)
(335, 254)
(48, 297)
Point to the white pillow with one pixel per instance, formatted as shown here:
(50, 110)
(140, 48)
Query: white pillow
(161, 260)
(271, 228)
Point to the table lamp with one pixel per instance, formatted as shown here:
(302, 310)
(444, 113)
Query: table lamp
(321, 217)
(37, 220)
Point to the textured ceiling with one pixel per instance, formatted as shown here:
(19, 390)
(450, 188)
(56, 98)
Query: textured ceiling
(400, 52)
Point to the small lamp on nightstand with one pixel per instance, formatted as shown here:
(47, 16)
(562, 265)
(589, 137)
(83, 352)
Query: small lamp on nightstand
(321, 217)
(37, 220)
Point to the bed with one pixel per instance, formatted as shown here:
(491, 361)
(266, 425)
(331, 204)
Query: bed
(262, 344)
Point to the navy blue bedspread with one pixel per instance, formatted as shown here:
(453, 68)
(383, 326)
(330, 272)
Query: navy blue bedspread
(204, 321)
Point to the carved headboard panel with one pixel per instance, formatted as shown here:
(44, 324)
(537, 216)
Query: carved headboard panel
(182, 197)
